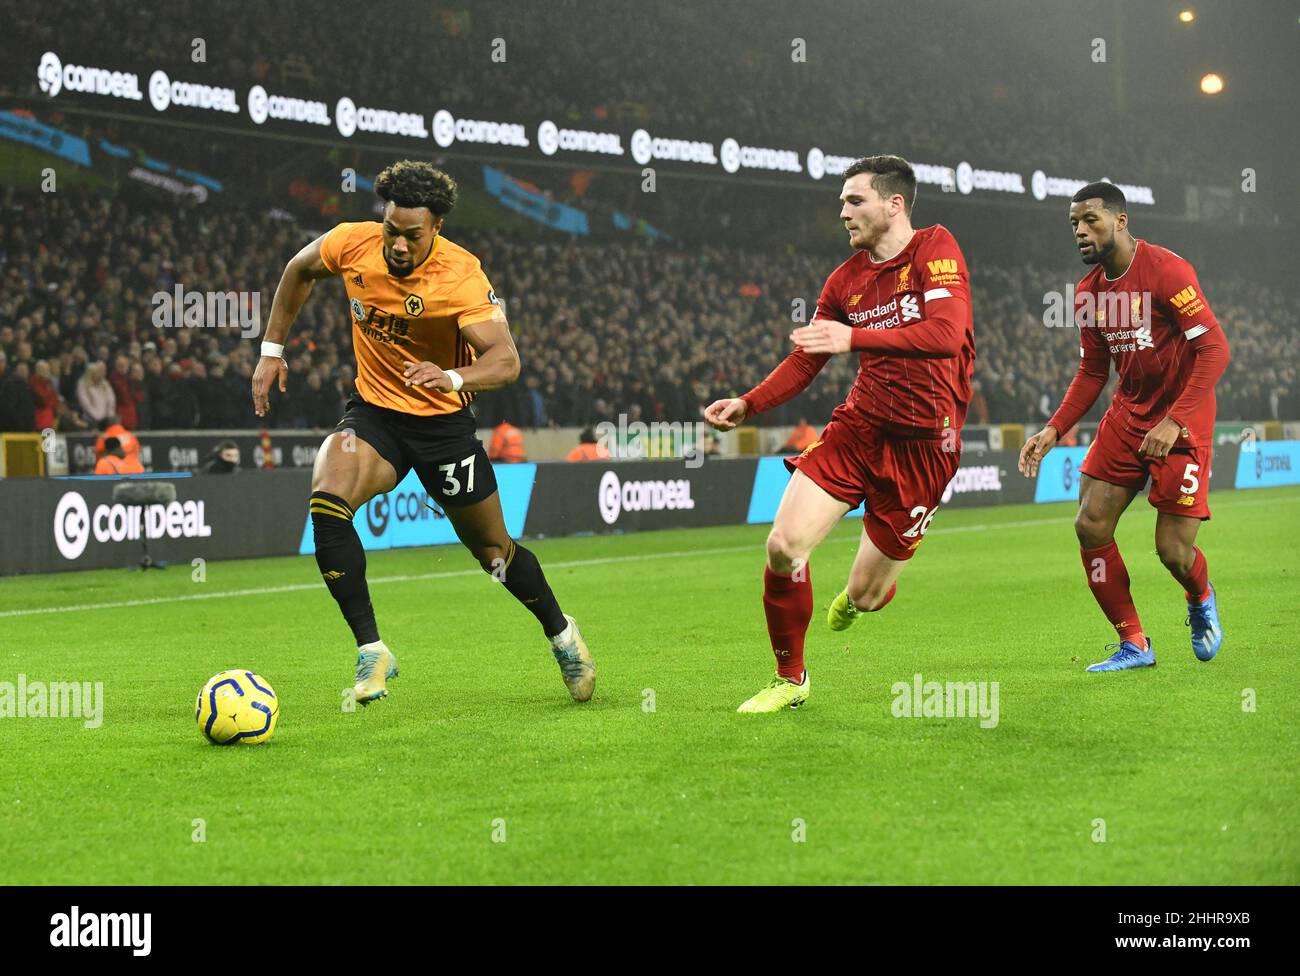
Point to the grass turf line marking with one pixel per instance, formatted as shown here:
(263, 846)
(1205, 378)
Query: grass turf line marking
(570, 564)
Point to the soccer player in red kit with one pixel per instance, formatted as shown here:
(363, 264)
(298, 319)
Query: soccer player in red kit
(1142, 308)
(902, 302)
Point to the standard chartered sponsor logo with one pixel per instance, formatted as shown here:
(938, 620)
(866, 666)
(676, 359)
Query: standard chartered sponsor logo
(551, 138)
(53, 76)
(164, 93)
(645, 148)
(615, 497)
(448, 129)
(75, 524)
(262, 106)
(980, 477)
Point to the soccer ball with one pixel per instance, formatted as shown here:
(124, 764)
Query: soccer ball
(237, 706)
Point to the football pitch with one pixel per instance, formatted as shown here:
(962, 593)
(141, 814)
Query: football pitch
(479, 769)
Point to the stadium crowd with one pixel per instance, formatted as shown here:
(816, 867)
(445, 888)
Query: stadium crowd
(602, 330)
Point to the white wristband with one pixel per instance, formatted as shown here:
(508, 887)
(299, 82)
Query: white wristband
(456, 381)
(273, 349)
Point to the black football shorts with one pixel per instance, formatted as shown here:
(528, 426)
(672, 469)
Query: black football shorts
(443, 450)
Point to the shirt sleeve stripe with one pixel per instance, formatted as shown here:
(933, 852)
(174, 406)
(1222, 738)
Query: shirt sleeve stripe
(934, 293)
(1195, 331)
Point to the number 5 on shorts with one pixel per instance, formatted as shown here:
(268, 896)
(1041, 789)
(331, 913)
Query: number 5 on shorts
(1191, 484)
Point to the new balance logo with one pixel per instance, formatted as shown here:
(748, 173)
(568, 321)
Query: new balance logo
(854, 300)
(909, 308)
(331, 576)
(1187, 500)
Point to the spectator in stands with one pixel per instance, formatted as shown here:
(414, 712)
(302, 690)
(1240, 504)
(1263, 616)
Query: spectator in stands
(224, 459)
(46, 395)
(588, 449)
(507, 445)
(17, 402)
(95, 394)
(115, 460)
(128, 394)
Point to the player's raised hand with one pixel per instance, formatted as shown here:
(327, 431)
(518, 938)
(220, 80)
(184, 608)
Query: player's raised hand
(726, 414)
(427, 374)
(824, 336)
(1034, 450)
(268, 369)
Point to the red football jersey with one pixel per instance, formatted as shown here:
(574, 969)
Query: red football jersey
(925, 286)
(1145, 322)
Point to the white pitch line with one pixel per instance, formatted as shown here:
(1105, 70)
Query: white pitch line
(571, 564)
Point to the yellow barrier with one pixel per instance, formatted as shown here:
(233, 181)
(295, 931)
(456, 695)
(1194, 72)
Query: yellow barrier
(21, 455)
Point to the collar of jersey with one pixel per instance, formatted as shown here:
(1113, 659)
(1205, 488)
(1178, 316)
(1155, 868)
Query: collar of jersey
(1137, 243)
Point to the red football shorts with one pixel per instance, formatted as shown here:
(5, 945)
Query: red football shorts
(901, 479)
(1180, 483)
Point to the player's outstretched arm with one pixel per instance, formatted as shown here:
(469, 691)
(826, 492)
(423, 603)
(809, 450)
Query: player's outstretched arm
(496, 362)
(300, 274)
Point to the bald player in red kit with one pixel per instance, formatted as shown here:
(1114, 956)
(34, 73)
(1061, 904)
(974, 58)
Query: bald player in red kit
(1142, 309)
(902, 302)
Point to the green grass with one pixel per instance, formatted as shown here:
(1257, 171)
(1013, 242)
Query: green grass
(1192, 789)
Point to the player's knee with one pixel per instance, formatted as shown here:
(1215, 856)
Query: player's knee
(491, 556)
(782, 551)
(1091, 530)
(1177, 557)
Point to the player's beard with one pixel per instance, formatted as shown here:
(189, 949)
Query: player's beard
(1099, 251)
(395, 271)
(871, 234)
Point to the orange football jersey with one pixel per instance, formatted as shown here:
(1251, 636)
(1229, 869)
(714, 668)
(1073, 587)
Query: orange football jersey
(416, 318)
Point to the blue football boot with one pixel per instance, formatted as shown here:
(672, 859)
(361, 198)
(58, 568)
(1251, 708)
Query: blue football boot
(1128, 655)
(1207, 635)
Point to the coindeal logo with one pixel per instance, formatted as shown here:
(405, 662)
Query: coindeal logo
(614, 497)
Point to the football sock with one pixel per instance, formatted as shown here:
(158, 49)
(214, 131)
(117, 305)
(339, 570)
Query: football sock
(1108, 580)
(523, 577)
(788, 606)
(342, 562)
(1196, 582)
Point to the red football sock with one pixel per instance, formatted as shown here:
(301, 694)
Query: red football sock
(1196, 584)
(788, 605)
(1108, 580)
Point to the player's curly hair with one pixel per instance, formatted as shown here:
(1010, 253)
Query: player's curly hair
(413, 183)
